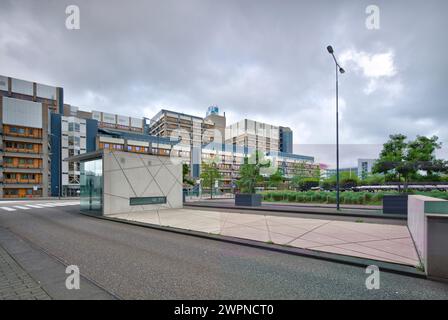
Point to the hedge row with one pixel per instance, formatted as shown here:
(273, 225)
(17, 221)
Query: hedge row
(347, 197)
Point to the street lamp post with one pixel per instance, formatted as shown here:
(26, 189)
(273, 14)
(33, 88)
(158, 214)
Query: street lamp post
(341, 70)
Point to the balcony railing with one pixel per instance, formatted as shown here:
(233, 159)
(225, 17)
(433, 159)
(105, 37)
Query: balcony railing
(21, 181)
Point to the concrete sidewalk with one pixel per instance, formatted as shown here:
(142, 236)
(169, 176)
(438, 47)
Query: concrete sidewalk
(26, 272)
(384, 242)
(16, 283)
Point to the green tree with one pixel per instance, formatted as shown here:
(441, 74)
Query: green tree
(295, 181)
(250, 172)
(347, 180)
(317, 173)
(301, 172)
(308, 183)
(404, 160)
(373, 179)
(276, 178)
(209, 175)
(186, 175)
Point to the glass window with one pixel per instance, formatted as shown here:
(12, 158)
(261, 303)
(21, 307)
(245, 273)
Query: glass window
(73, 126)
(91, 182)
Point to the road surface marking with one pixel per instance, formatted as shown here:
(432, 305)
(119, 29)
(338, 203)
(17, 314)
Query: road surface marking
(7, 209)
(44, 205)
(34, 206)
(51, 204)
(20, 207)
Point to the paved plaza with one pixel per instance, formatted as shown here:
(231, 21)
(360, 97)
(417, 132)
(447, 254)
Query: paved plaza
(384, 242)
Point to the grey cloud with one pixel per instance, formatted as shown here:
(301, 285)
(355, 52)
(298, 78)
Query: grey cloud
(258, 59)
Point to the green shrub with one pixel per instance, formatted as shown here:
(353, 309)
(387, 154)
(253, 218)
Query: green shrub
(346, 197)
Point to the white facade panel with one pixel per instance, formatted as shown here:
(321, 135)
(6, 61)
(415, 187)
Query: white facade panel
(65, 155)
(64, 141)
(45, 91)
(22, 86)
(136, 123)
(170, 114)
(162, 146)
(96, 115)
(4, 83)
(111, 140)
(65, 179)
(64, 125)
(123, 121)
(82, 127)
(74, 111)
(138, 143)
(109, 118)
(22, 113)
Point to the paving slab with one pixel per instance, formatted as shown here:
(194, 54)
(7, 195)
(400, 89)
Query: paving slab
(383, 242)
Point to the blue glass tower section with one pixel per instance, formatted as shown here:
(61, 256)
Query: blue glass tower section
(91, 133)
(286, 140)
(55, 140)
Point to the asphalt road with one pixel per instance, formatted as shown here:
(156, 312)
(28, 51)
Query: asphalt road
(139, 263)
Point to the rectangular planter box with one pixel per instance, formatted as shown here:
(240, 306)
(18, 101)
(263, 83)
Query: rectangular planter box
(248, 200)
(395, 204)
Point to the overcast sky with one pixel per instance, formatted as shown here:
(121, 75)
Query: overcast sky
(263, 60)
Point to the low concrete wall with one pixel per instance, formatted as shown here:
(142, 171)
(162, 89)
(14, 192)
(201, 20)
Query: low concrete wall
(428, 225)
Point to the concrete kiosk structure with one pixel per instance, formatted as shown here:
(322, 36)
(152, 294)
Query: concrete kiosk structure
(115, 182)
(428, 225)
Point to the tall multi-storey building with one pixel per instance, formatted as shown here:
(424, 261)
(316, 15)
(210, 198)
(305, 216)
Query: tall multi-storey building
(229, 158)
(218, 120)
(253, 134)
(192, 132)
(81, 132)
(365, 167)
(38, 131)
(25, 131)
(190, 129)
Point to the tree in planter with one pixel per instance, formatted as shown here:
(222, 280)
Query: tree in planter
(250, 172)
(401, 160)
(209, 175)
